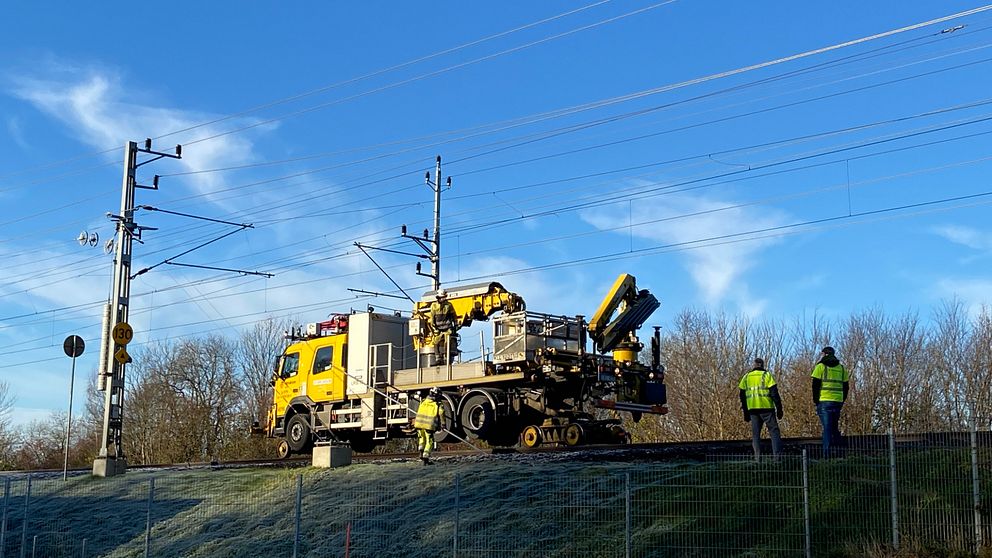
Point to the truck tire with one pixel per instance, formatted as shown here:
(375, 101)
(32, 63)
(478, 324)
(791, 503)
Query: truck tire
(298, 433)
(449, 428)
(478, 417)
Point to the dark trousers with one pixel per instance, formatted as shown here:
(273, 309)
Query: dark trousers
(759, 418)
(829, 413)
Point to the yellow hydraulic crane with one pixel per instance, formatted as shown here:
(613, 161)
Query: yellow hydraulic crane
(470, 302)
(631, 308)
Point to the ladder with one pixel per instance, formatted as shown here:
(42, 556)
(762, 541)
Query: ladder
(389, 406)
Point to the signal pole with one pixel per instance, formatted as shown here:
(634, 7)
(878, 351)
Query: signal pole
(434, 251)
(113, 355)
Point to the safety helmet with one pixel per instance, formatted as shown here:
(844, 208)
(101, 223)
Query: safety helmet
(435, 392)
(441, 293)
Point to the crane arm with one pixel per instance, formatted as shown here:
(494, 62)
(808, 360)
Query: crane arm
(470, 302)
(631, 309)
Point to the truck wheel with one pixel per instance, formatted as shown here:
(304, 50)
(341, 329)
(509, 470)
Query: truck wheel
(298, 433)
(478, 416)
(448, 429)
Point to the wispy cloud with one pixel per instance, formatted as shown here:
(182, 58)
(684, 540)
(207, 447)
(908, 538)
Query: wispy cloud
(966, 236)
(96, 107)
(975, 293)
(717, 270)
(17, 132)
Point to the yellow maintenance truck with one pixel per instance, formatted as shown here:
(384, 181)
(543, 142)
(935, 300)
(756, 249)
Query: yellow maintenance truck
(358, 378)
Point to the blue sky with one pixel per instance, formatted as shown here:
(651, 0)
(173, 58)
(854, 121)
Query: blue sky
(583, 139)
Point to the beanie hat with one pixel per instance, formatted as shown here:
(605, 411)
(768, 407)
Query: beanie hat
(828, 350)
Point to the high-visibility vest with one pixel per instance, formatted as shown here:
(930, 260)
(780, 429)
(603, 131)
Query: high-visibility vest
(429, 415)
(832, 380)
(757, 385)
(443, 315)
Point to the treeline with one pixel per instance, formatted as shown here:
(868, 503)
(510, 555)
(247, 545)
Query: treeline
(187, 401)
(909, 372)
(195, 400)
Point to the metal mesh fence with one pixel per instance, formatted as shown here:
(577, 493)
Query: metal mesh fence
(720, 508)
(907, 492)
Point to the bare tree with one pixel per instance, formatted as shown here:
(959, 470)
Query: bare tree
(8, 436)
(256, 351)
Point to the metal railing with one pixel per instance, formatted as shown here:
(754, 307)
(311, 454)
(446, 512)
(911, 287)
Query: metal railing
(932, 493)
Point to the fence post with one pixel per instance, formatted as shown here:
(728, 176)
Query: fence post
(628, 539)
(24, 522)
(3, 521)
(806, 521)
(148, 515)
(84, 549)
(894, 488)
(34, 545)
(975, 492)
(455, 542)
(299, 505)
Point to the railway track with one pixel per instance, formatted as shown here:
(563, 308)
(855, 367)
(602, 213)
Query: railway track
(695, 450)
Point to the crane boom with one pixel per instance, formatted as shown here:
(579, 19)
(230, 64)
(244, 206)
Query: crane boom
(631, 308)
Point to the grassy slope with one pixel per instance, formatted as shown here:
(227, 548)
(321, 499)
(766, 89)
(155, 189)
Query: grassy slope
(506, 506)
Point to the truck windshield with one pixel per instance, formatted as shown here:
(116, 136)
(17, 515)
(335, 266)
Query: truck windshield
(290, 365)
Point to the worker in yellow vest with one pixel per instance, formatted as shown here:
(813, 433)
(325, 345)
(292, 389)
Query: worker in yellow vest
(444, 320)
(761, 405)
(430, 415)
(831, 383)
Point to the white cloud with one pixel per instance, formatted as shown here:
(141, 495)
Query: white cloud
(966, 236)
(975, 293)
(22, 416)
(17, 132)
(717, 270)
(94, 104)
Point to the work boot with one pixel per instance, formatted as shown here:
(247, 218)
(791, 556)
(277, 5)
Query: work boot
(426, 460)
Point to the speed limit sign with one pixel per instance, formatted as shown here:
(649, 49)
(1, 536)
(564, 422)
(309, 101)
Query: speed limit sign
(122, 333)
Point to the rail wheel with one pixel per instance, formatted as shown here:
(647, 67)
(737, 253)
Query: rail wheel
(478, 416)
(298, 433)
(573, 435)
(531, 437)
(283, 450)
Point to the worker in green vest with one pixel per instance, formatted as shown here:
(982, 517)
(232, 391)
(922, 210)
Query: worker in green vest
(762, 406)
(430, 415)
(831, 383)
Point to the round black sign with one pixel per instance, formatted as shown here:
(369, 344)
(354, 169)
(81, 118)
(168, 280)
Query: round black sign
(73, 346)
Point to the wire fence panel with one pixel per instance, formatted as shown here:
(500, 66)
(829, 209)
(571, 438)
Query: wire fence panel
(367, 515)
(908, 493)
(850, 501)
(571, 511)
(60, 515)
(235, 513)
(720, 508)
(934, 495)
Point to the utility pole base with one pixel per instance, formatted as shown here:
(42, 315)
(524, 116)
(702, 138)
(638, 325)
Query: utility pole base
(109, 466)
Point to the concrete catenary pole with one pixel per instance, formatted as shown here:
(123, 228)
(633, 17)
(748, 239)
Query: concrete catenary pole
(110, 461)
